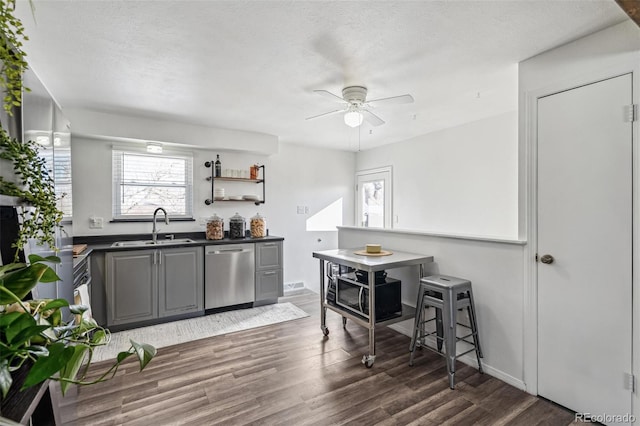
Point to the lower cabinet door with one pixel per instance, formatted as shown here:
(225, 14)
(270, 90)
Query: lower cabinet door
(181, 281)
(131, 285)
(268, 284)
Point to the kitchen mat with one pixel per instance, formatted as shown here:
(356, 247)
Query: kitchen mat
(173, 333)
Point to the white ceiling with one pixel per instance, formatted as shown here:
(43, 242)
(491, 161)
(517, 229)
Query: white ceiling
(253, 65)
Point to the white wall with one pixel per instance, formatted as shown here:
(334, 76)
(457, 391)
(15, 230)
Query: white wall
(462, 180)
(605, 54)
(495, 270)
(296, 176)
(116, 126)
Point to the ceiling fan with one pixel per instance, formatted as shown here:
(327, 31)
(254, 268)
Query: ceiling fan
(356, 108)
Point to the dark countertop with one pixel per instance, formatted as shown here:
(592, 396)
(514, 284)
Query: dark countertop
(104, 242)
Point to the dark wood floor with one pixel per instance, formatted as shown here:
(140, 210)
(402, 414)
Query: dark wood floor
(290, 374)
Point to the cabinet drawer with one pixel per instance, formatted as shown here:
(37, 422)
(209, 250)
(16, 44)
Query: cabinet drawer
(269, 284)
(269, 255)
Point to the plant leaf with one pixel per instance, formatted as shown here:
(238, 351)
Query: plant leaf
(122, 356)
(37, 350)
(5, 377)
(145, 353)
(23, 322)
(78, 309)
(34, 258)
(10, 267)
(21, 282)
(27, 334)
(49, 276)
(47, 366)
(71, 368)
(55, 303)
(7, 319)
(98, 337)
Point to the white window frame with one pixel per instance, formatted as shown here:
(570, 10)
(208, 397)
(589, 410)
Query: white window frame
(117, 156)
(381, 173)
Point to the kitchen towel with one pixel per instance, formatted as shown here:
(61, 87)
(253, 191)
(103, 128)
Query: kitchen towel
(173, 333)
(81, 297)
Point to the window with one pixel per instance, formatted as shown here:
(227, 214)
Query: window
(373, 192)
(58, 160)
(143, 182)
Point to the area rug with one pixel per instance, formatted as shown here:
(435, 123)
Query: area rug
(182, 331)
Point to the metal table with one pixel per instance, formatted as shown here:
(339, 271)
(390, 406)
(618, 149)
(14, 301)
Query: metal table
(370, 264)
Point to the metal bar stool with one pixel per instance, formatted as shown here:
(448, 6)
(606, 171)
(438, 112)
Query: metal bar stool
(447, 295)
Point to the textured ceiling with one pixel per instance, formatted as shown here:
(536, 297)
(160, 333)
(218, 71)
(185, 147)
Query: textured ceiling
(253, 65)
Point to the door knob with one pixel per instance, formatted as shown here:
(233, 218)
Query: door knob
(546, 258)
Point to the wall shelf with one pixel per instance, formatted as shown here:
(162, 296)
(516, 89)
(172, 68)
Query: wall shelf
(213, 179)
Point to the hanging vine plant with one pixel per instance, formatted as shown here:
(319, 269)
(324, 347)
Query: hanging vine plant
(35, 184)
(12, 58)
(40, 216)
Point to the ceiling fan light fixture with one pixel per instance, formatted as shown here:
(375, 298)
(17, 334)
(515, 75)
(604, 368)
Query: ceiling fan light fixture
(353, 118)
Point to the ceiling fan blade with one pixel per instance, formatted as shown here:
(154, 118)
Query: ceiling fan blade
(372, 118)
(323, 114)
(329, 95)
(402, 99)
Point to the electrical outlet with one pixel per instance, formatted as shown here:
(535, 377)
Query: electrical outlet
(300, 209)
(96, 222)
(306, 209)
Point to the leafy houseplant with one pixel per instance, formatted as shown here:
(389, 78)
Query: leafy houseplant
(12, 57)
(35, 188)
(33, 332)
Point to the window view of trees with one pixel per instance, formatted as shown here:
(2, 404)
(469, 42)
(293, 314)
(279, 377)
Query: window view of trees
(143, 183)
(373, 204)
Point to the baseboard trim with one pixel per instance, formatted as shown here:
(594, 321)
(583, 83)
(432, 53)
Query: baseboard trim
(292, 287)
(406, 328)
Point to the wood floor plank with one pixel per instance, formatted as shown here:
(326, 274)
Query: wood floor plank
(291, 374)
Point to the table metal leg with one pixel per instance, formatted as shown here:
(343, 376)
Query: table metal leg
(368, 360)
(323, 309)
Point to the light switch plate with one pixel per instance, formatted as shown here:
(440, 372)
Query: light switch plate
(96, 222)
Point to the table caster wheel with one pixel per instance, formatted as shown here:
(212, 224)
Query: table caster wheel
(325, 331)
(368, 360)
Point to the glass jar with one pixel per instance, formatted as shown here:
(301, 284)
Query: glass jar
(258, 226)
(253, 171)
(215, 228)
(236, 226)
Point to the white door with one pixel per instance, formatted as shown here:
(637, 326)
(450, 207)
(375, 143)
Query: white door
(373, 192)
(585, 224)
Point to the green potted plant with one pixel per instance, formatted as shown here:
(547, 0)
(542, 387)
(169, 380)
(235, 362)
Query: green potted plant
(33, 333)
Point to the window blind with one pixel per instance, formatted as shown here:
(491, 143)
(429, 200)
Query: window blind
(143, 182)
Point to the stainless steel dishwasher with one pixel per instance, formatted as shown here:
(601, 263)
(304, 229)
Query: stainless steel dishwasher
(229, 275)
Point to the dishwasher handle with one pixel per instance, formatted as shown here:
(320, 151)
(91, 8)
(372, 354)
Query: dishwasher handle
(223, 251)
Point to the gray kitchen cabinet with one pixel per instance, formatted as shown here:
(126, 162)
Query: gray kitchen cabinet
(180, 281)
(131, 284)
(146, 285)
(269, 276)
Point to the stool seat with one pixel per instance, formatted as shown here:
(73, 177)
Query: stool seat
(445, 281)
(447, 295)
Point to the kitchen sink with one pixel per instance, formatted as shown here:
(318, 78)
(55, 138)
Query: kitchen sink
(144, 243)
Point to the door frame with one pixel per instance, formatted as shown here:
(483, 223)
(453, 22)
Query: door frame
(528, 149)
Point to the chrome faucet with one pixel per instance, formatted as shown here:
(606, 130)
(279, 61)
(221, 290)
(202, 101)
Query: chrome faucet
(154, 231)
